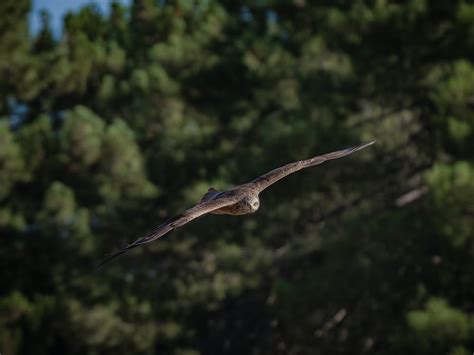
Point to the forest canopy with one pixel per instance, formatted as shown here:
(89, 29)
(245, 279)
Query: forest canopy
(128, 117)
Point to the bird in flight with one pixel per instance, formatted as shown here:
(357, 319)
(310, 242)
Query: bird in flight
(237, 200)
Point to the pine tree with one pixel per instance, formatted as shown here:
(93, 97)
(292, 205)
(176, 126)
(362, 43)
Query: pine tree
(128, 118)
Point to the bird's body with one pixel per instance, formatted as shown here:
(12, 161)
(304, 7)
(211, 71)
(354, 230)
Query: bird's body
(237, 200)
(248, 204)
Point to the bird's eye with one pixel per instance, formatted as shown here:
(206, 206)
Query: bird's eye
(255, 204)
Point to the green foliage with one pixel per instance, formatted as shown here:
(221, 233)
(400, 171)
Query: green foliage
(452, 193)
(59, 204)
(82, 135)
(128, 118)
(11, 161)
(439, 323)
(122, 167)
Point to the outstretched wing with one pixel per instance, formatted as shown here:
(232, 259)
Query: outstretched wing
(262, 182)
(178, 221)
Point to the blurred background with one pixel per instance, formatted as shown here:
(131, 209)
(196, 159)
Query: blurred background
(118, 114)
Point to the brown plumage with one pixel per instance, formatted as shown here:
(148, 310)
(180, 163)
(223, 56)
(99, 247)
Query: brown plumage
(237, 200)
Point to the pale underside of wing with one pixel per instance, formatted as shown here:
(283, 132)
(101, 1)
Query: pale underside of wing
(262, 182)
(178, 221)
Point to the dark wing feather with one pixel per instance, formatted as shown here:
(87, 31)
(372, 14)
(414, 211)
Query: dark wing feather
(262, 182)
(178, 221)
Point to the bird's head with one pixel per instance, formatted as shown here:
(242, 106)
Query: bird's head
(253, 203)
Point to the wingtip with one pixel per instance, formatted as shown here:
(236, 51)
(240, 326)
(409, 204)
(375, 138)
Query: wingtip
(368, 143)
(108, 257)
(358, 147)
(364, 145)
(102, 263)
